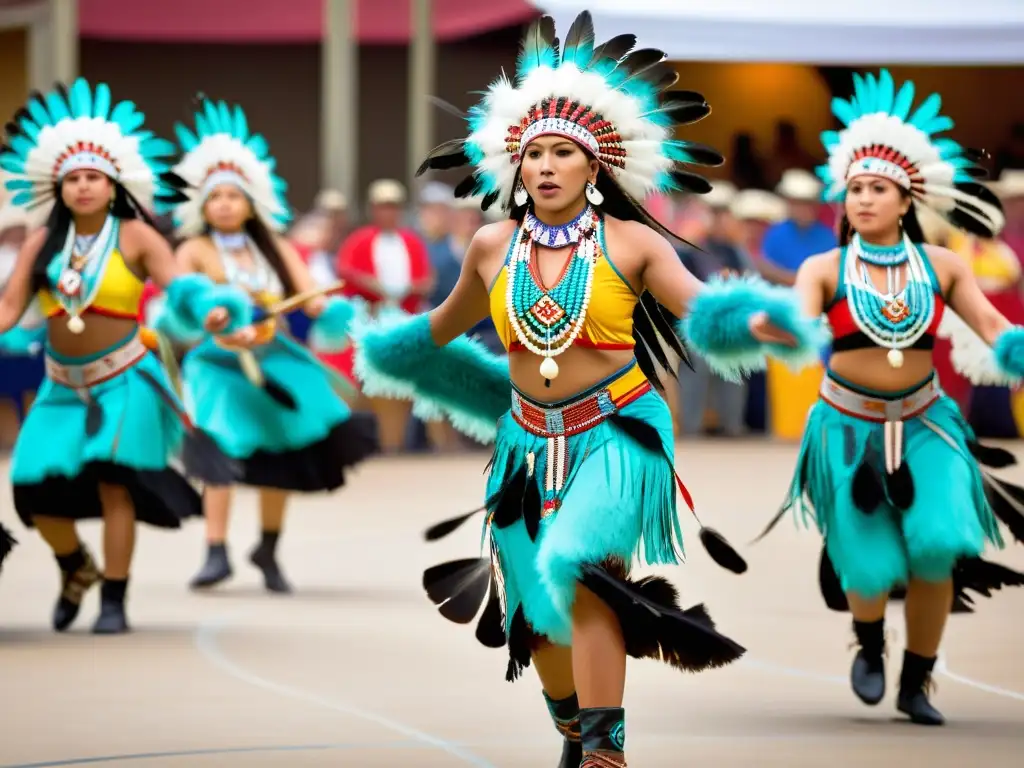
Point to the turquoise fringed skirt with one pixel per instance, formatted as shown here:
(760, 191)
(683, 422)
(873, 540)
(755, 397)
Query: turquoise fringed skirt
(131, 440)
(302, 444)
(874, 539)
(579, 492)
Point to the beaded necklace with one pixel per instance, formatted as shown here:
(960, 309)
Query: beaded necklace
(548, 320)
(77, 272)
(257, 279)
(896, 318)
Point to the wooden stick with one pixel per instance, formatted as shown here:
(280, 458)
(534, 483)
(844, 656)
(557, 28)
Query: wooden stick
(301, 298)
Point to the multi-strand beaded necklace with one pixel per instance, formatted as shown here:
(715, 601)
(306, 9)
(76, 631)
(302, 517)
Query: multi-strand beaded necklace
(898, 317)
(548, 320)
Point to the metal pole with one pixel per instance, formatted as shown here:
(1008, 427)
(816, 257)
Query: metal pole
(422, 77)
(64, 36)
(339, 98)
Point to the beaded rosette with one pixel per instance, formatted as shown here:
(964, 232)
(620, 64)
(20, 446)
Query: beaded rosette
(883, 135)
(547, 321)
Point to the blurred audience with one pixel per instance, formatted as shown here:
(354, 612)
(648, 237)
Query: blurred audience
(791, 242)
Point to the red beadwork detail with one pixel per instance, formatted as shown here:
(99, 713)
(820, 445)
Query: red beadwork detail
(577, 417)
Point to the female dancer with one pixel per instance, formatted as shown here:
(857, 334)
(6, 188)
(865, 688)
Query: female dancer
(291, 431)
(582, 479)
(886, 467)
(96, 443)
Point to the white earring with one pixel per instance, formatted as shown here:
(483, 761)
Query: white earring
(594, 194)
(521, 195)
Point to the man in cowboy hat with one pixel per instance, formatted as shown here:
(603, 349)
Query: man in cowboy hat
(802, 235)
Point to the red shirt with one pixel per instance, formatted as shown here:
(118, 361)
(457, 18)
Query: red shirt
(356, 258)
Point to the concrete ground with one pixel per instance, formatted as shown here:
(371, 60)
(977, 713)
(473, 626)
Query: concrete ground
(357, 669)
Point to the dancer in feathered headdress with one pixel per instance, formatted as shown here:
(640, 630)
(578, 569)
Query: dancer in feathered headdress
(99, 438)
(889, 469)
(268, 402)
(582, 483)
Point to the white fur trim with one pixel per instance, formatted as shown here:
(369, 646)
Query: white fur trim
(971, 357)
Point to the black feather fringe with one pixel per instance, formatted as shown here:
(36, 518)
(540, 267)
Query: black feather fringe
(458, 587)
(655, 627)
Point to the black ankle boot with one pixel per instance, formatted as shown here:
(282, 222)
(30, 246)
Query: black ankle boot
(263, 557)
(915, 679)
(867, 676)
(78, 573)
(112, 619)
(566, 715)
(216, 569)
(603, 730)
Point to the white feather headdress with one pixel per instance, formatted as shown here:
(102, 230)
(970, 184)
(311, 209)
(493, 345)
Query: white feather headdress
(223, 150)
(610, 99)
(74, 128)
(884, 137)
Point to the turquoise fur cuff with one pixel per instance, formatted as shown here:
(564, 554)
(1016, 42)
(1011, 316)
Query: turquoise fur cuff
(718, 326)
(23, 341)
(396, 357)
(1009, 351)
(330, 331)
(190, 298)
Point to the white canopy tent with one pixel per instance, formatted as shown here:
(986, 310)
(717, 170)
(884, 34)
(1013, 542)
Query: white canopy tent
(842, 32)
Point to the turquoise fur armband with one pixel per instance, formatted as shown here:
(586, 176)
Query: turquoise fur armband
(190, 298)
(23, 341)
(330, 331)
(718, 326)
(396, 357)
(1009, 352)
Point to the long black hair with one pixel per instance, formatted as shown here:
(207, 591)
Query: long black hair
(911, 225)
(124, 207)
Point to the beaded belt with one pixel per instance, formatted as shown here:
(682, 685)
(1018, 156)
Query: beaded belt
(890, 412)
(85, 375)
(556, 423)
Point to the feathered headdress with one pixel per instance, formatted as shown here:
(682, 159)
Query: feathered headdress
(610, 99)
(222, 150)
(70, 129)
(884, 136)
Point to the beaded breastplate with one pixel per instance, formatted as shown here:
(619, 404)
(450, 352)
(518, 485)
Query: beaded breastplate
(259, 279)
(897, 317)
(548, 320)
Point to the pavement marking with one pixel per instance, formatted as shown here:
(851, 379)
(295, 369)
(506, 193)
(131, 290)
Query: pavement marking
(206, 641)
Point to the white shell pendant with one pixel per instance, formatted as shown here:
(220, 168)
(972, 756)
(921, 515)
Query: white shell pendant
(76, 324)
(895, 357)
(549, 368)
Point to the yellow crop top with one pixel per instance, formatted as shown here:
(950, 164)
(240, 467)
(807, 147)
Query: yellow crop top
(609, 320)
(119, 292)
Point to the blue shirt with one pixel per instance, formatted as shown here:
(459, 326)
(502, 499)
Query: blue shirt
(787, 245)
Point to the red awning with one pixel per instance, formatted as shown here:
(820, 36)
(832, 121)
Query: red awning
(277, 21)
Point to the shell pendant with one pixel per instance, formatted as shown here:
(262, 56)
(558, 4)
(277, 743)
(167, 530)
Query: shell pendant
(549, 368)
(76, 324)
(895, 358)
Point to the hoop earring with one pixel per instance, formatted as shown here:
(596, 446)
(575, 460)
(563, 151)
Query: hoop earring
(521, 196)
(594, 194)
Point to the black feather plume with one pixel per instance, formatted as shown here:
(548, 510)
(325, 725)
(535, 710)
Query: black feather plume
(655, 627)
(685, 181)
(702, 154)
(581, 33)
(613, 49)
(1007, 502)
(445, 527)
(468, 187)
(991, 456)
(451, 154)
(490, 630)
(458, 587)
(899, 487)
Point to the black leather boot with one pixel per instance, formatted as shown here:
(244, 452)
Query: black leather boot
(263, 557)
(216, 569)
(566, 715)
(603, 731)
(915, 679)
(78, 573)
(112, 619)
(867, 676)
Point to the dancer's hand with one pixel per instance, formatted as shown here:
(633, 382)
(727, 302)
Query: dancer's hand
(243, 338)
(216, 321)
(762, 329)
(315, 306)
